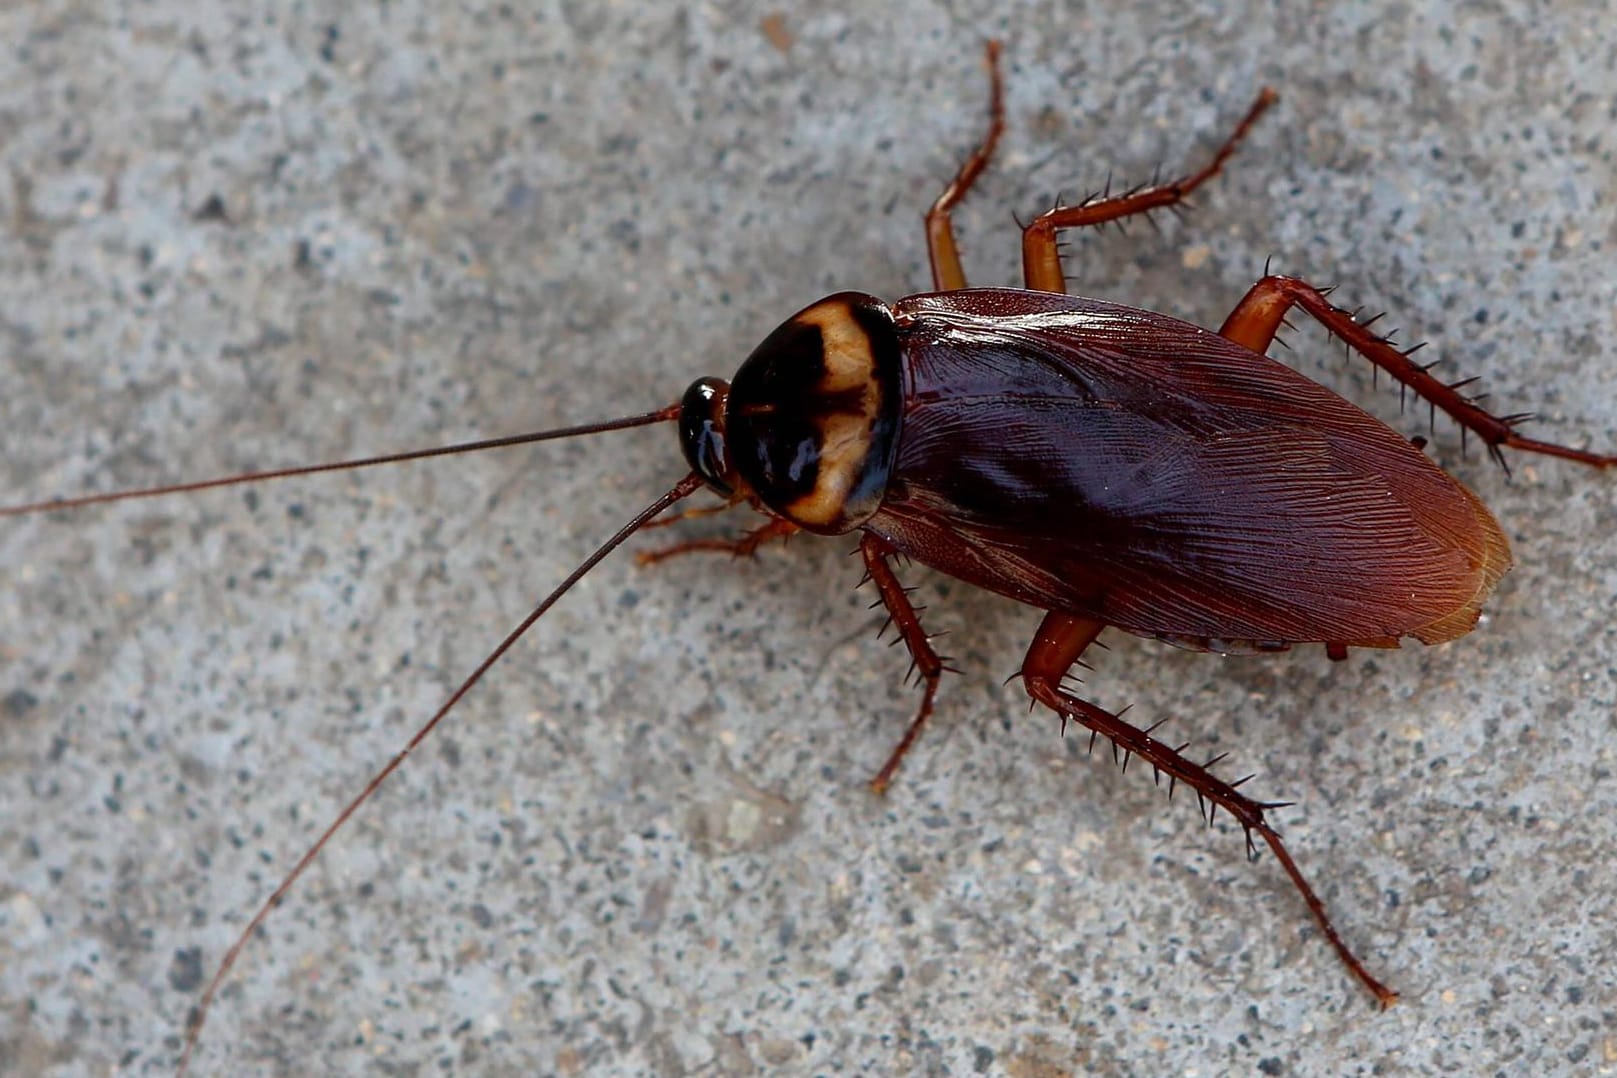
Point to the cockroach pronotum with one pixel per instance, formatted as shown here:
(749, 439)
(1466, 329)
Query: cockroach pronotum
(1108, 465)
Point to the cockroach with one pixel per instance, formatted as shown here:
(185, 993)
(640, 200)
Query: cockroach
(1108, 465)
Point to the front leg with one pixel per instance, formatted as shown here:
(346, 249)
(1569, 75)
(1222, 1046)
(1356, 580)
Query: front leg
(1061, 639)
(928, 665)
(941, 250)
(744, 547)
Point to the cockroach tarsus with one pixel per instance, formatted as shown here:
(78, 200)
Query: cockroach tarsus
(1108, 465)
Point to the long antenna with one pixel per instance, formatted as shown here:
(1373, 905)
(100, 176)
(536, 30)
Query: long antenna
(684, 488)
(662, 415)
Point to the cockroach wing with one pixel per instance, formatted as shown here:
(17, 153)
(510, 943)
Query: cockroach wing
(1124, 466)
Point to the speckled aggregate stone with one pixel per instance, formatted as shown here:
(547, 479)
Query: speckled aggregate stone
(253, 235)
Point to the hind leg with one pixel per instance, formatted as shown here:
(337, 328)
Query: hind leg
(1262, 311)
(1059, 643)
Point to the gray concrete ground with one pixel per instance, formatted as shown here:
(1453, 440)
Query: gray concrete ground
(644, 846)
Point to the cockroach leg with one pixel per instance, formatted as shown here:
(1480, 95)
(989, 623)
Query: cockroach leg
(1056, 647)
(1258, 316)
(1041, 259)
(744, 547)
(929, 665)
(694, 513)
(940, 246)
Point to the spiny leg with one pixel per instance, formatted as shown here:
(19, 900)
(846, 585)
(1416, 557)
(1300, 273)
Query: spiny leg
(1041, 258)
(1262, 311)
(940, 246)
(1060, 641)
(928, 664)
(744, 547)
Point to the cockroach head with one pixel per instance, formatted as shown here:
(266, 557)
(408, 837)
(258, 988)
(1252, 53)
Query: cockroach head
(808, 429)
(701, 433)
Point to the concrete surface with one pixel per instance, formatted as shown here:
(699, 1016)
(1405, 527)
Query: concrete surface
(644, 845)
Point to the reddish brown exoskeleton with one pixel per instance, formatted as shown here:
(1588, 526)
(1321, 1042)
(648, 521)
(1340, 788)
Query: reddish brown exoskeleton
(1108, 465)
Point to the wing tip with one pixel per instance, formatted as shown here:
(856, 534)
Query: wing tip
(1493, 562)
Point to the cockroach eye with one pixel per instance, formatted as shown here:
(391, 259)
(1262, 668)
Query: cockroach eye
(701, 433)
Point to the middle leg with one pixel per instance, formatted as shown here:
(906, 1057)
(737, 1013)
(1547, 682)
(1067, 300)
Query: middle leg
(1041, 258)
(1060, 641)
(928, 664)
